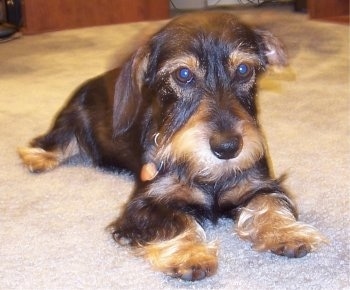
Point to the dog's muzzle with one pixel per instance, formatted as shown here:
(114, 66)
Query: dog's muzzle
(226, 145)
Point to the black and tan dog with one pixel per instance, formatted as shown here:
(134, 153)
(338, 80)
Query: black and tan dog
(180, 114)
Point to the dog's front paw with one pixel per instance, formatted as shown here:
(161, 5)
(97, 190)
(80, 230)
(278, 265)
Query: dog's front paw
(269, 223)
(189, 261)
(293, 241)
(292, 250)
(194, 272)
(197, 264)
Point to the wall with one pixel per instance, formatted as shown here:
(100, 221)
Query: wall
(195, 4)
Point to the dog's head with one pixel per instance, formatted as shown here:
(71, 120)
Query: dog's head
(196, 81)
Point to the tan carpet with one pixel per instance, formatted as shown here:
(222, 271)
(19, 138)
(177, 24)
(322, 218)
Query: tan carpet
(52, 225)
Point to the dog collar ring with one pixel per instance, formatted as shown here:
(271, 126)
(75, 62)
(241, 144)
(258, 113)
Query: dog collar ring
(155, 138)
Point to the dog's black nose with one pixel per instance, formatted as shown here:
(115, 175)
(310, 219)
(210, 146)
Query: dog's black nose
(226, 146)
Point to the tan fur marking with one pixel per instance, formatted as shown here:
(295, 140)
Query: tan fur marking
(39, 160)
(253, 146)
(186, 60)
(172, 188)
(191, 143)
(186, 256)
(234, 195)
(271, 226)
(237, 57)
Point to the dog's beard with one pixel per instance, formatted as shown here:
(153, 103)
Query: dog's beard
(190, 146)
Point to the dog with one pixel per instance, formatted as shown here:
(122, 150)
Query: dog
(180, 114)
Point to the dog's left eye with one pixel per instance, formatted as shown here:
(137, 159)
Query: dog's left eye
(244, 71)
(183, 75)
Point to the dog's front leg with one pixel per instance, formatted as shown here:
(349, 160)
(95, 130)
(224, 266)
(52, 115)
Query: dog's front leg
(269, 221)
(157, 228)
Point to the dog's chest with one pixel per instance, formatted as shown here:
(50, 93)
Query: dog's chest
(220, 198)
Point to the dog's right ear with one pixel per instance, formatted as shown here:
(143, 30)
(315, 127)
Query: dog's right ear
(127, 96)
(272, 48)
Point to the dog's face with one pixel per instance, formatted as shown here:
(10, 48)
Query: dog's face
(197, 77)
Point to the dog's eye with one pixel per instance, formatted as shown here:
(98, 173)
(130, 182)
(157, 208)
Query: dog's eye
(244, 71)
(183, 75)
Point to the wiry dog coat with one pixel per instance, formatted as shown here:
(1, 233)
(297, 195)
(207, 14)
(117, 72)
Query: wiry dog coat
(181, 115)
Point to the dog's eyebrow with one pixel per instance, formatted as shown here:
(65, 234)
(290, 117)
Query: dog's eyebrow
(189, 61)
(237, 57)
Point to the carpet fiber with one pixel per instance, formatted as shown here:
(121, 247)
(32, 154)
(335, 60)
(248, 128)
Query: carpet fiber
(52, 225)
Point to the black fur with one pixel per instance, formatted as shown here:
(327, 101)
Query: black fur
(116, 116)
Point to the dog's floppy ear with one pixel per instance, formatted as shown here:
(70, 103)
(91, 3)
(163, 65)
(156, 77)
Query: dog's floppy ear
(272, 49)
(127, 96)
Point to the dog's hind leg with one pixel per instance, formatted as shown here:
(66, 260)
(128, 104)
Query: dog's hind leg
(37, 159)
(48, 151)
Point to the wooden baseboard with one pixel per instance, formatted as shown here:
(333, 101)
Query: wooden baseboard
(342, 19)
(329, 10)
(43, 15)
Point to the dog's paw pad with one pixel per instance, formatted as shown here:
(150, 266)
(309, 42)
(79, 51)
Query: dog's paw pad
(194, 273)
(186, 260)
(292, 250)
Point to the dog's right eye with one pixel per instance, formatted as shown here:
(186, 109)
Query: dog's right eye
(244, 72)
(183, 75)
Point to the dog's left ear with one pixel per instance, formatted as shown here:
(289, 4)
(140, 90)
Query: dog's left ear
(272, 49)
(127, 96)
